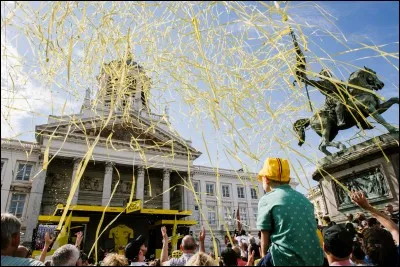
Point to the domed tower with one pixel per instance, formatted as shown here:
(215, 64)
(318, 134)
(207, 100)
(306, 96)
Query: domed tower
(125, 84)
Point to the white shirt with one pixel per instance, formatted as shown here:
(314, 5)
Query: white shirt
(139, 264)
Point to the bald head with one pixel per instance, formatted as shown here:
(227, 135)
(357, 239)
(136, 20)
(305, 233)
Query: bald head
(188, 243)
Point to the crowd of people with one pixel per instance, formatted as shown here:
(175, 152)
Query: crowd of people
(289, 235)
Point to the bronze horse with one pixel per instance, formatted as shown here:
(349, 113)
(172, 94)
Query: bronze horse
(359, 105)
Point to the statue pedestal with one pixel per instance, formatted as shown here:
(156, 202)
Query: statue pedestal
(371, 166)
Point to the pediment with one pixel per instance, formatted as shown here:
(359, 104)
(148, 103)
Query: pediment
(136, 131)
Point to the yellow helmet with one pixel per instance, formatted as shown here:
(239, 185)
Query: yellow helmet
(275, 169)
(176, 254)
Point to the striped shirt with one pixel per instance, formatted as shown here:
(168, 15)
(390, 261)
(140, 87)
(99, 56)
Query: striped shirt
(14, 261)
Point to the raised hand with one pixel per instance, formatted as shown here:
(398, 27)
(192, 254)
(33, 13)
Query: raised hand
(79, 237)
(250, 261)
(164, 233)
(47, 239)
(359, 199)
(202, 235)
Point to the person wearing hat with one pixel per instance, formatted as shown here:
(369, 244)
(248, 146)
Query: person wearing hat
(286, 220)
(338, 245)
(136, 250)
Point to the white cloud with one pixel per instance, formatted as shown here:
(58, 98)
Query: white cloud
(22, 98)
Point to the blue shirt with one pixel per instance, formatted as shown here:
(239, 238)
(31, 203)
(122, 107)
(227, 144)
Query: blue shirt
(288, 216)
(14, 261)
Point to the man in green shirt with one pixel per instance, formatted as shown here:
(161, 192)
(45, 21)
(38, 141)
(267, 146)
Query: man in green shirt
(286, 220)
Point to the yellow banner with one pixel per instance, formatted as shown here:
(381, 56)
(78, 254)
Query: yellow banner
(133, 206)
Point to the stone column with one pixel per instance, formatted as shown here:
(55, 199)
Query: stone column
(220, 210)
(185, 195)
(166, 198)
(140, 183)
(235, 198)
(108, 175)
(35, 200)
(75, 198)
(250, 215)
(6, 183)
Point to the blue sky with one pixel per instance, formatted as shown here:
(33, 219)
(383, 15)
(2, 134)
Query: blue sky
(345, 32)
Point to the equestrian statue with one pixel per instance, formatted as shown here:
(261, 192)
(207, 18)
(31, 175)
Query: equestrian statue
(346, 104)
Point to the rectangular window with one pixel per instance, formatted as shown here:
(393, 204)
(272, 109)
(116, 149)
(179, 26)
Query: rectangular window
(210, 189)
(24, 172)
(243, 215)
(240, 191)
(211, 215)
(196, 213)
(255, 212)
(228, 213)
(17, 204)
(196, 187)
(253, 193)
(225, 191)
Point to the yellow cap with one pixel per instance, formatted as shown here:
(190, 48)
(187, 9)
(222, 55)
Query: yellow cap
(275, 169)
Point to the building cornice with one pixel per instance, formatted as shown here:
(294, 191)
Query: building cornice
(222, 172)
(19, 145)
(88, 124)
(82, 139)
(386, 143)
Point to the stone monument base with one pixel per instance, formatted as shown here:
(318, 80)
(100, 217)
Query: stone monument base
(371, 166)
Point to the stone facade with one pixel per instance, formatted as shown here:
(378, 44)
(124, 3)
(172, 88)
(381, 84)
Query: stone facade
(316, 198)
(371, 166)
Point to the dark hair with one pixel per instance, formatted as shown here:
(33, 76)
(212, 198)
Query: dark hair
(350, 228)
(229, 257)
(338, 241)
(256, 249)
(132, 251)
(359, 217)
(358, 253)
(379, 246)
(372, 222)
(83, 256)
(243, 232)
(327, 219)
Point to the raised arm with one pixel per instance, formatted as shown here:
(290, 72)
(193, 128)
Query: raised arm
(359, 199)
(47, 242)
(301, 67)
(79, 237)
(202, 237)
(164, 251)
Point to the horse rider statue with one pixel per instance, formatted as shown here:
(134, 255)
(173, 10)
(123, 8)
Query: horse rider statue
(352, 102)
